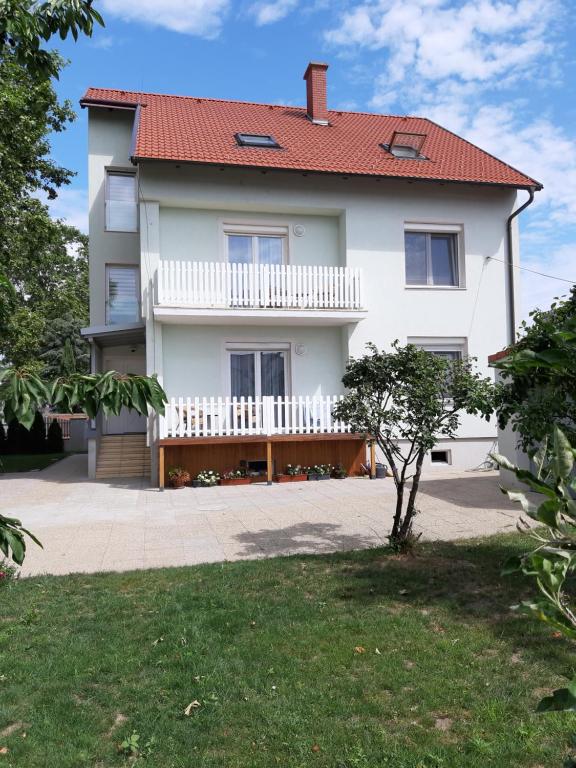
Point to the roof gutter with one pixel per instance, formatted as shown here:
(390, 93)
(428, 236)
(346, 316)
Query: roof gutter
(510, 264)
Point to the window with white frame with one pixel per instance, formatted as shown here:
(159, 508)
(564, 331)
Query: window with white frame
(450, 348)
(121, 202)
(432, 258)
(122, 294)
(256, 245)
(258, 371)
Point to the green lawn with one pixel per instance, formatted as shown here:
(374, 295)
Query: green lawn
(24, 462)
(357, 660)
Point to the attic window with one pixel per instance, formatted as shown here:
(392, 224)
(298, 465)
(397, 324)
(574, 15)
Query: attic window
(257, 140)
(406, 146)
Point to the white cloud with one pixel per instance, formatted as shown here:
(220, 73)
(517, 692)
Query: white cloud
(475, 41)
(103, 42)
(482, 68)
(71, 205)
(268, 13)
(193, 17)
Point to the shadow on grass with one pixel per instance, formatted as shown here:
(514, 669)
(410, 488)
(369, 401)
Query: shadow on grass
(464, 578)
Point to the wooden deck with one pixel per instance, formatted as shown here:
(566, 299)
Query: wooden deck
(225, 453)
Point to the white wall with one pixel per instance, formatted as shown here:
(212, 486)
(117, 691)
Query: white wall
(109, 134)
(189, 234)
(196, 365)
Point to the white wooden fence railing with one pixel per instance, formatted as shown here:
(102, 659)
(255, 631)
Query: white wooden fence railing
(238, 416)
(220, 284)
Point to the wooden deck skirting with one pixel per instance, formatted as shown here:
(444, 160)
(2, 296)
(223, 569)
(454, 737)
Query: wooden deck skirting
(224, 453)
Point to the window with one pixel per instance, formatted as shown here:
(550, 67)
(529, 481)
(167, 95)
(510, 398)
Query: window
(257, 140)
(258, 373)
(121, 211)
(432, 258)
(406, 145)
(122, 295)
(398, 150)
(267, 247)
(440, 457)
(451, 349)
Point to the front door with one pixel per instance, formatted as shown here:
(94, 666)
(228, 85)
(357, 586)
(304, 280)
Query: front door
(127, 421)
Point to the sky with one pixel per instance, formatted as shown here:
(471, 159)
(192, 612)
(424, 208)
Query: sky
(500, 73)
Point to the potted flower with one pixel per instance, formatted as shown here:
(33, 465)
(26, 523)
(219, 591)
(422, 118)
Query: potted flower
(235, 477)
(294, 473)
(339, 473)
(206, 479)
(319, 471)
(178, 477)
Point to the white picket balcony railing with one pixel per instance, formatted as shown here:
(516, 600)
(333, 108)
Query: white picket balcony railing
(281, 286)
(239, 416)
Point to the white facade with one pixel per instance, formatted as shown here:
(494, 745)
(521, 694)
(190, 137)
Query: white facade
(334, 228)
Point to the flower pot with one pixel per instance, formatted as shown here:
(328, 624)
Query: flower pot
(290, 478)
(177, 482)
(313, 476)
(323, 477)
(198, 484)
(235, 481)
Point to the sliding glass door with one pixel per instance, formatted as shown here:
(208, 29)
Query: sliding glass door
(258, 373)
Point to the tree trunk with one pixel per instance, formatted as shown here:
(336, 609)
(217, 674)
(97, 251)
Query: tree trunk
(410, 509)
(398, 512)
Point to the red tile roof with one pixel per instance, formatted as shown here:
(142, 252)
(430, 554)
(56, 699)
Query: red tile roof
(199, 130)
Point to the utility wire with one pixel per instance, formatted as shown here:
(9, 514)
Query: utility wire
(534, 271)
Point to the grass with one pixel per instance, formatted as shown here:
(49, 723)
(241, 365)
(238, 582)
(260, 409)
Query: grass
(355, 660)
(25, 462)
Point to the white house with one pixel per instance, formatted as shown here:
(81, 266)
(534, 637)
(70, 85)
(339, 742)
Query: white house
(244, 251)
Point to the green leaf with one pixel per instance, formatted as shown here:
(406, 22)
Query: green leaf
(563, 457)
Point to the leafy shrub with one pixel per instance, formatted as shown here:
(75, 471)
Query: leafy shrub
(3, 441)
(36, 438)
(17, 437)
(54, 440)
(8, 573)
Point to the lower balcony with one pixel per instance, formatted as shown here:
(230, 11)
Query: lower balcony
(200, 417)
(260, 433)
(216, 292)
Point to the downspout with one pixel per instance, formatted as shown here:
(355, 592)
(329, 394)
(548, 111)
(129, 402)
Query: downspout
(510, 263)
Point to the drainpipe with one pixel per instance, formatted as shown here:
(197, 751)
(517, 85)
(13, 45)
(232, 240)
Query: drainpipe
(510, 263)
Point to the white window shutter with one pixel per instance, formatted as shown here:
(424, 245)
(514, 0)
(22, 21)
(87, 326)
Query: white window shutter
(121, 212)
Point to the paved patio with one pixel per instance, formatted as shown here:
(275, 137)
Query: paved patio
(91, 526)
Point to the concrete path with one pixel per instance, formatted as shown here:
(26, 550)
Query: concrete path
(92, 526)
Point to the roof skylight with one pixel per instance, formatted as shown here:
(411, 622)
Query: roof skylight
(406, 145)
(257, 140)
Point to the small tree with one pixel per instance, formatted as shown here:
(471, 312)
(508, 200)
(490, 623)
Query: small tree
(54, 441)
(36, 442)
(407, 400)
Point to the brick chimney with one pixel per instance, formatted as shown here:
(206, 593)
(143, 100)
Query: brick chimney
(315, 77)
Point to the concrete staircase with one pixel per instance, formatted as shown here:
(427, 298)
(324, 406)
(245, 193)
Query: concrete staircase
(123, 456)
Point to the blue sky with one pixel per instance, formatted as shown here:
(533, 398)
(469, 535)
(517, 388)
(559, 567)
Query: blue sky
(502, 73)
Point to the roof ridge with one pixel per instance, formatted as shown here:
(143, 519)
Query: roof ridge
(251, 103)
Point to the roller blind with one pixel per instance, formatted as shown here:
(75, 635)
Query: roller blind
(122, 293)
(121, 202)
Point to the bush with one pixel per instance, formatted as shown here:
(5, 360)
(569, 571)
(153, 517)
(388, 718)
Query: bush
(55, 441)
(3, 441)
(36, 439)
(17, 437)
(8, 573)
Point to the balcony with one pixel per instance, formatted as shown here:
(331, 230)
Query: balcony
(216, 292)
(201, 417)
